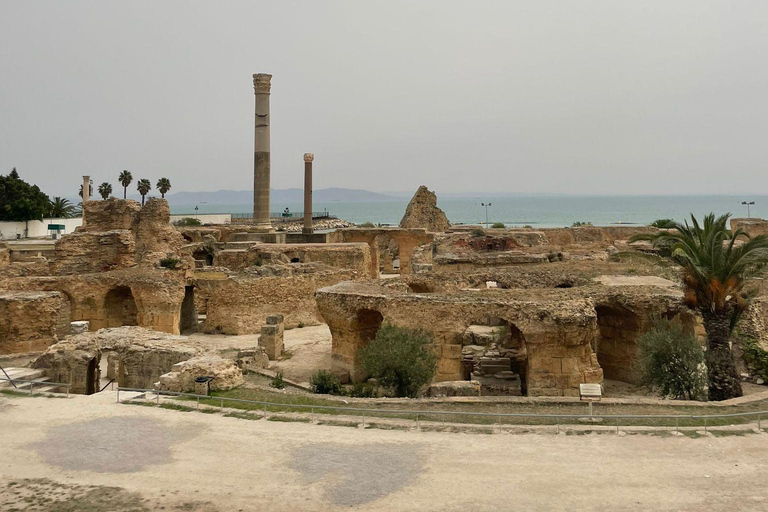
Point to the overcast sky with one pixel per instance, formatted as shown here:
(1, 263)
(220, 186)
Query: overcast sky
(610, 97)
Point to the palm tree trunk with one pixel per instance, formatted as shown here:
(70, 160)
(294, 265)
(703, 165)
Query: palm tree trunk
(142, 199)
(125, 192)
(724, 382)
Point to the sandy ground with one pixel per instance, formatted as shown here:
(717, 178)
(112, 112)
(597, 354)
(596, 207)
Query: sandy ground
(82, 447)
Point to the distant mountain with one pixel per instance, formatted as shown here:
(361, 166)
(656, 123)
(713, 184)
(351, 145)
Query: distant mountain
(289, 195)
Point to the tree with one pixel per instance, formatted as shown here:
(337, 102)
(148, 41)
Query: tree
(715, 272)
(144, 186)
(125, 178)
(400, 358)
(61, 208)
(663, 224)
(20, 201)
(672, 361)
(105, 189)
(163, 185)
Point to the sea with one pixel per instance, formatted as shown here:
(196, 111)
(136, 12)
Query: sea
(535, 211)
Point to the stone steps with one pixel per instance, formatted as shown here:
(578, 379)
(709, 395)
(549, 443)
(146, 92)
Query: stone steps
(21, 374)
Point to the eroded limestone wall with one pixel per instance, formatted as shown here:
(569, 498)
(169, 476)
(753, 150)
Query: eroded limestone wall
(352, 256)
(32, 321)
(239, 304)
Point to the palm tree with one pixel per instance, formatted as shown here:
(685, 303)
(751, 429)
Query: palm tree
(715, 271)
(163, 185)
(143, 187)
(62, 208)
(125, 179)
(105, 189)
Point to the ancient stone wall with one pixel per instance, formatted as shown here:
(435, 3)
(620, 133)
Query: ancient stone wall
(752, 227)
(155, 237)
(110, 214)
(32, 321)
(352, 256)
(150, 298)
(239, 304)
(143, 355)
(407, 240)
(5, 254)
(89, 252)
(422, 212)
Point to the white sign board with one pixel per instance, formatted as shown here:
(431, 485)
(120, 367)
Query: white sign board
(590, 391)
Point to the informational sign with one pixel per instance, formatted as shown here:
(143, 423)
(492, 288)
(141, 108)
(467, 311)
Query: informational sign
(590, 391)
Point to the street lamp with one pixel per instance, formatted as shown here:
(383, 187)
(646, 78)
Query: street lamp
(748, 204)
(486, 212)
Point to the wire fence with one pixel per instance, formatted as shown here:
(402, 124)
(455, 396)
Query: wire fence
(419, 416)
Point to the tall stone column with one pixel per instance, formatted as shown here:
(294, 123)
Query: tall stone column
(308, 226)
(261, 167)
(86, 188)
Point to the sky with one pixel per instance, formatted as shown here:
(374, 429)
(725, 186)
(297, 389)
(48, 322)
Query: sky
(587, 97)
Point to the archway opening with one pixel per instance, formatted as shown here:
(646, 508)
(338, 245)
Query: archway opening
(188, 319)
(617, 350)
(494, 353)
(120, 307)
(368, 323)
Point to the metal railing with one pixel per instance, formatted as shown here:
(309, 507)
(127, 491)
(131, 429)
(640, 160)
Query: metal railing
(282, 215)
(419, 415)
(32, 384)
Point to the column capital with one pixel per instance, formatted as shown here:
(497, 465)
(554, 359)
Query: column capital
(262, 83)
(308, 157)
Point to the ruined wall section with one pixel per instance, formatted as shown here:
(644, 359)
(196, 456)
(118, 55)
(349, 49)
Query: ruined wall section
(89, 252)
(240, 304)
(109, 214)
(155, 237)
(422, 212)
(32, 321)
(351, 256)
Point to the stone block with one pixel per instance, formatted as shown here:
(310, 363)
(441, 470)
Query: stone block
(454, 388)
(79, 327)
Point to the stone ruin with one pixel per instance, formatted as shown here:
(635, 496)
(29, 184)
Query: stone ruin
(271, 339)
(422, 212)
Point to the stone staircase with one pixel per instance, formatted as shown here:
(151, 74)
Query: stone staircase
(27, 374)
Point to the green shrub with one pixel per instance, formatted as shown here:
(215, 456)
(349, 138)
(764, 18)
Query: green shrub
(187, 222)
(362, 390)
(672, 361)
(579, 223)
(663, 223)
(477, 232)
(170, 262)
(277, 381)
(400, 358)
(498, 225)
(326, 383)
(366, 225)
(755, 357)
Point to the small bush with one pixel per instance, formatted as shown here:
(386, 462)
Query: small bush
(663, 223)
(477, 233)
(528, 226)
(362, 390)
(277, 381)
(672, 361)
(498, 225)
(187, 222)
(326, 383)
(366, 225)
(755, 357)
(400, 358)
(301, 325)
(579, 224)
(170, 262)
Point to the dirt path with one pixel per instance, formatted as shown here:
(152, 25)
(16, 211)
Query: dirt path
(53, 448)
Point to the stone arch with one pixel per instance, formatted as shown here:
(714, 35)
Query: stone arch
(368, 322)
(494, 352)
(616, 348)
(120, 307)
(389, 253)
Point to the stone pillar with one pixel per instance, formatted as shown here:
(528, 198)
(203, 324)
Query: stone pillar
(271, 339)
(308, 226)
(261, 167)
(86, 193)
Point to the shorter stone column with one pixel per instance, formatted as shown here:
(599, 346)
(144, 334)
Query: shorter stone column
(271, 339)
(308, 226)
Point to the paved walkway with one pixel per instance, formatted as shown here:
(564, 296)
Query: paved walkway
(207, 462)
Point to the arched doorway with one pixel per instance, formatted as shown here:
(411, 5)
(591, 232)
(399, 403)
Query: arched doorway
(188, 320)
(120, 307)
(617, 349)
(495, 354)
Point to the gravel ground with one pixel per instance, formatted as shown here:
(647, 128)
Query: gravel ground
(211, 462)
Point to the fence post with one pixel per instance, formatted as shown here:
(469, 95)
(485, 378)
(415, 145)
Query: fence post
(313, 414)
(118, 393)
(363, 420)
(198, 403)
(68, 391)
(157, 398)
(418, 425)
(617, 425)
(265, 410)
(32, 388)
(705, 424)
(677, 424)
(558, 424)
(758, 422)
(222, 405)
